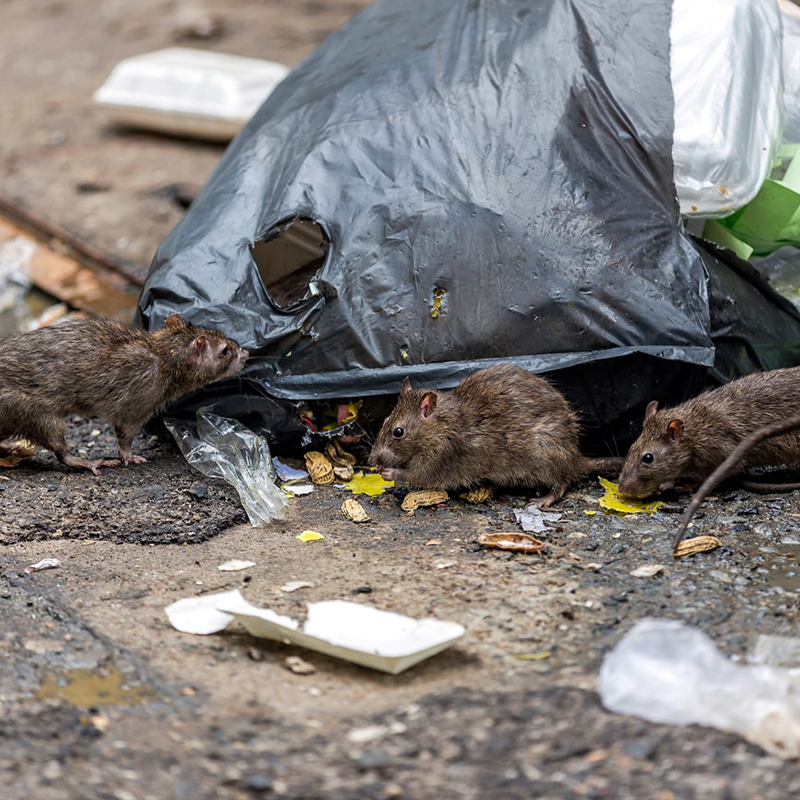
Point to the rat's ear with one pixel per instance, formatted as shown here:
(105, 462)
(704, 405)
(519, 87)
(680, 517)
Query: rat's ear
(406, 387)
(427, 405)
(174, 321)
(675, 430)
(652, 407)
(198, 348)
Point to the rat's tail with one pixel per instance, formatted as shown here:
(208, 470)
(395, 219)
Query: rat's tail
(607, 466)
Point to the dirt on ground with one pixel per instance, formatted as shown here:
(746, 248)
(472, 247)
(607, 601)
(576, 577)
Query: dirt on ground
(102, 698)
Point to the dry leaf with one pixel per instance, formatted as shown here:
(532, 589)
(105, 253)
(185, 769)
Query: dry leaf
(425, 498)
(371, 484)
(353, 510)
(612, 500)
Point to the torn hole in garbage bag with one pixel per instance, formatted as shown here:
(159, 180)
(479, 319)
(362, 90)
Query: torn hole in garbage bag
(288, 258)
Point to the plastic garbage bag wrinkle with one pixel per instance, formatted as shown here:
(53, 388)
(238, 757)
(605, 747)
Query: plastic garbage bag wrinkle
(222, 448)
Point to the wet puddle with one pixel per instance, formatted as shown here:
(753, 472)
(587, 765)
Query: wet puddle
(87, 688)
(783, 567)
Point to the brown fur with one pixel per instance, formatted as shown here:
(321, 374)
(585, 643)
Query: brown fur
(708, 428)
(502, 425)
(102, 368)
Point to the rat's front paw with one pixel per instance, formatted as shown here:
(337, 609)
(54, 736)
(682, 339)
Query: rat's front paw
(391, 474)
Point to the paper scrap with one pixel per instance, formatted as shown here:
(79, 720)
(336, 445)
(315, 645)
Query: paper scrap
(533, 519)
(45, 563)
(235, 566)
(285, 472)
(293, 586)
(646, 571)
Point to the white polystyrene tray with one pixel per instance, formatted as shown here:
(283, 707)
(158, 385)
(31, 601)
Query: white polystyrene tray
(365, 635)
(184, 91)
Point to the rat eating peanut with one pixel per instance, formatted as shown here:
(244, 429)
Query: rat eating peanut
(685, 444)
(501, 425)
(102, 368)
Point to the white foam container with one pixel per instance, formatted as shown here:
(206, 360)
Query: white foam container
(189, 92)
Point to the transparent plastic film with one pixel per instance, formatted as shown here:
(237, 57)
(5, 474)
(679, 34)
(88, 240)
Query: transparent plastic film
(223, 448)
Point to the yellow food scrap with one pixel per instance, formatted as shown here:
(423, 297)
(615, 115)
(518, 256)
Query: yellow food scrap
(310, 536)
(371, 484)
(612, 500)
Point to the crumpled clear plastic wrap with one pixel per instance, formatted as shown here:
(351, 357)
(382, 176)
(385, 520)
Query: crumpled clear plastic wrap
(666, 671)
(223, 448)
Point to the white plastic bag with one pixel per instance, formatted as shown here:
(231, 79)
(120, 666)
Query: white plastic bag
(726, 72)
(665, 671)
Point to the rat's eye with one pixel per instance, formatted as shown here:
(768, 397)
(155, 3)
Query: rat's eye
(399, 432)
(224, 351)
(648, 458)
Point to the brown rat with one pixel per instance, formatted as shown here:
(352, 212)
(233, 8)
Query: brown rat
(101, 368)
(732, 464)
(684, 445)
(501, 425)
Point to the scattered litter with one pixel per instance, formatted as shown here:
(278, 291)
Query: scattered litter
(432, 542)
(45, 563)
(235, 566)
(665, 671)
(534, 656)
(776, 651)
(297, 490)
(338, 456)
(446, 564)
(189, 92)
(414, 500)
(319, 468)
(287, 473)
(612, 500)
(310, 536)
(479, 495)
(224, 448)
(344, 473)
(697, 544)
(370, 483)
(362, 634)
(15, 452)
(511, 541)
(647, 571)
(15, 270)
(533, 519)
(353, 510)
(293, 586)
(299, 665)
(49, 316)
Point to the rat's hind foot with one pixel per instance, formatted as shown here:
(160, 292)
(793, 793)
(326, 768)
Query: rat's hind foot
(92, 465)
(130, 458)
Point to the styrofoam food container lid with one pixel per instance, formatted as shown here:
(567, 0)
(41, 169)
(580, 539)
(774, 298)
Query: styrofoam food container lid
(182, 90)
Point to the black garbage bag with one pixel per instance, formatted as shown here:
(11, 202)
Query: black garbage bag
(446, 185)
